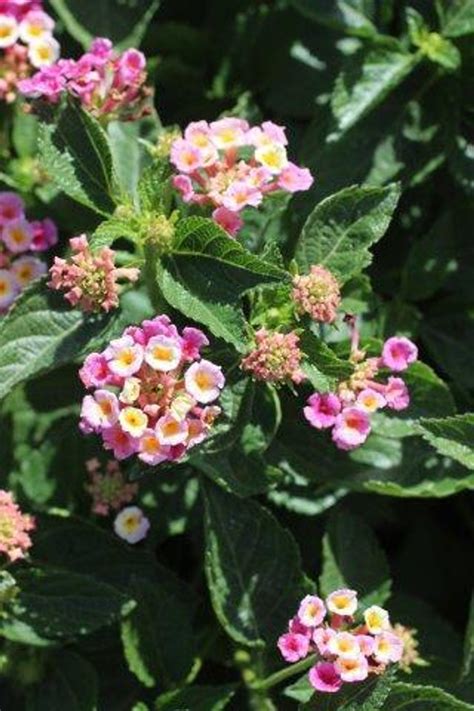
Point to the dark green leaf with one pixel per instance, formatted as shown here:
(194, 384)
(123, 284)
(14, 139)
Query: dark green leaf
(70, 683)
(196, 698)
(452, 436)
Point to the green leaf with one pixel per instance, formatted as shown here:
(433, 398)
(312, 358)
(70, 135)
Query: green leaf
(75, 154)
(196, 698)
(351, 16)
(366, 80)
(411, 697)
(353, 558)
(157, 635)
(110, 230)
(123, 23)
(340, 230)
(452, 436)
(459, 19)
(56, 605)
(70, 683)
(461, 163)
(42, 331)
(468, 656)
(252, 567)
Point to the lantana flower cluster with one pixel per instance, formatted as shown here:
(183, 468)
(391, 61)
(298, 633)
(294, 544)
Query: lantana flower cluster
(317, 294)
(26, 42)
(89, 280)
(347, 412)
(229, 165)
(152, 392)
(20, 241)
(109, 84)
(346, 650)
(108, 487)
(14, 528)
(276, 357)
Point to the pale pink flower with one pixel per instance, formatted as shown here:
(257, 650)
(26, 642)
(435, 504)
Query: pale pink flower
(131, 524)
(241, 194)
(185, 156)
(151, 451)
(351, 429)
(376, 619)
(133, 421)
(268, 132)
(273, 157)
(9, 289)
(124, 356)
(193, 341)
(95, 371)
(396, 394)
(45, 235)
(35, 25)
(293, 647)
(344, 645)
(325, 678)
(342, 602)
(317, 294)
(12, 207)
(17, 235)
(100, 410)
(130, 66)
(322, 410)
(14, 528)
(122, 444)
(366, 644)
(351, 670)
(228, 132)
(171, 431)
(388, 648)
(293, 178)
(276, 357)
(398, 353)
(321, 638)
(184, 184)
(163, 353)
(28, 268)
(370, 400)
(204, 381)
(43, 52)
(228, 220)
(9, 31)
(311, 611)
(297, 627)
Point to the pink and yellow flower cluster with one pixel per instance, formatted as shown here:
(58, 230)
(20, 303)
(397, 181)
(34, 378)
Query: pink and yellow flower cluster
(152, 392)
(108, 83)
(348, 410)
(276, 357)
(228, 165)
(345, 651)
(317, 294)
(20, 240)
(14, 528)
(89, 280)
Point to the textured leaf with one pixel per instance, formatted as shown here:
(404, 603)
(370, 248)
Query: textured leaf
(366, 80)
(411, 697)
(252, 567)
(340, 230)
(157, 636)
(123, 23)
(352, 558)
(196, 698)
(453, 437)
(459, 18)
(70, 683)
(42, 331)
(75, 153)
(351, 16)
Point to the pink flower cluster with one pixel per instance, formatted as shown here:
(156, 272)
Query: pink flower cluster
(348, 410)
(20, 239)
(27, 23)
(109, 489)
(229, 165)
(89, 280)
(152, 392)
(345, 651)
(317, 294)
(108, 83)
(276, 357)
(14, 528)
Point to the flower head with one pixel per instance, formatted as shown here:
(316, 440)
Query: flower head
(317, 294)
(108, 488)
(131, 524)
(14, 528)
(276, 357)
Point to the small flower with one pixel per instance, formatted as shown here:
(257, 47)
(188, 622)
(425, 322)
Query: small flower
(322, 637)
(241, 194)
(273, 157)
(131, 524)
(9, 31)
(45, 235)
(17, 235)
(228, 220)
(342, 602)
(43, 52)
(293, 647)
(351, 428)
(133, 421)
(351, 670)
(35, 25)
(293, 178)
(100, 410)
(150, 449)
(171, 431)
(311, 611)
(411, 656)
(163, 353)
(317, 294)
(124, 356)
(369, 400)
(324, 677)
(398, 353)
(9, 289)
(297, 627)
(276, 358)
(366, 644)
(376, 619)
(185, 157)
(388, 648)
(121, 443)
(14, 528)
(396, 394)
(27, 268)
(204, 381)
(228, 132)
(11, 207)
(344, 645)
(130, 391)
(322, 410)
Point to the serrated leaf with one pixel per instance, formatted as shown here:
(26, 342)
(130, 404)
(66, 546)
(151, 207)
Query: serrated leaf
(353, 558)
(452, 436)
(341, 228)
(411, 697)
(459, 19)
(75, 154)
(252, 567)
(42, 331)
(110, 230)
(196, 698)
(70, 683)
(157, 635)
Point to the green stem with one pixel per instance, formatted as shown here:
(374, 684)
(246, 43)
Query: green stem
(286, 673)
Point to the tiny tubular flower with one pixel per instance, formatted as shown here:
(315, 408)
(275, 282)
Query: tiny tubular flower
(398, 353)
(12, 207)
(9, 31)
(131, 524)
(366, 644)
(171, 431)
(353, 669)
(9, 289)
(17, 235)
(150, 449)
(396, 394)
(133, 421)
(43, 52)
(376, 619)
(342, 602)
(388, 648)
(344, 645)
(273, 157)
(124, 356)
(312, 611)
(369, 400)
(28, 268)
(204, 381)
(322, 637)
(100, 410)
(293, 646)
(322, 410)
(351, 428)
(35, 25)
(163, 353)
(324, 677)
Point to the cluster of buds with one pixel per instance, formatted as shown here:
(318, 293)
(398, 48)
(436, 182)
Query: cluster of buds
(109, 84)
(347, 411)
(89, 280)
(152, 392)
(14, 528)
(346, 651)
(26, 42)
(276, 357)
(108, 488)
(229, 166)
(20, 240)
(317, 294)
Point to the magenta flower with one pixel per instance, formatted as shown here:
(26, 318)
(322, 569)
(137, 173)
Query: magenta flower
(398, 353)
(322, 410)
(293, 647)
(325, 678)
(396, 394)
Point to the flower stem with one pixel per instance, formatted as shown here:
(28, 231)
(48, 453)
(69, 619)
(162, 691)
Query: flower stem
(286, 673)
